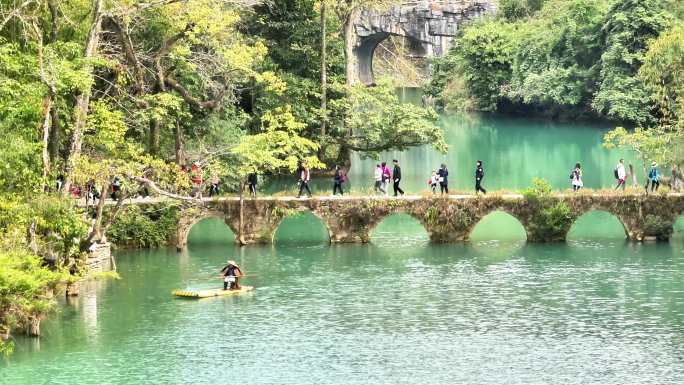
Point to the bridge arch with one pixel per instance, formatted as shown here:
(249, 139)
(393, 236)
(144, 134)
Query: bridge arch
(611, 225)
(502, 218)
(316, 221)
(417, 226)
(432, 24)
(191, 217)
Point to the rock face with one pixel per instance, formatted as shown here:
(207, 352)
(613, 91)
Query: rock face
(100, 258)
(430, 25)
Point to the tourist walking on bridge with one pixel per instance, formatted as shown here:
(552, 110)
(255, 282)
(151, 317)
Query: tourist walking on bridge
(443, 175)
(653, 178)
(378, 179)
(386, 176)
(252, 181)
(396, 176)
(479, 175)
(620, 175)
(304, 178)
(433, 181)
(338, 180)
(576, 177)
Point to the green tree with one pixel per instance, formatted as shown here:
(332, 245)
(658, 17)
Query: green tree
(629, 25)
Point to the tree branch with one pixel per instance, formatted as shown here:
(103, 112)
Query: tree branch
(194, 102)
(129, 52)
(159, 191)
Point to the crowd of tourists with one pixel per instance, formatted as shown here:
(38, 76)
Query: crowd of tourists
(621, 176)
(384, 177)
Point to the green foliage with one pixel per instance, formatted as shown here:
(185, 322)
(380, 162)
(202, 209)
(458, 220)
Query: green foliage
(278, 146)
(539, 189)
(375, 120)
(628, 27)
(553, 218)
(656, 144)
(571, 58)
(39, 247)
(657, 226)
(484, 57)
(663, 72)
(24, 282)
(144, 226)
(517, 9)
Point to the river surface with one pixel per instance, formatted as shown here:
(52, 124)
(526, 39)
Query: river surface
(596, 310)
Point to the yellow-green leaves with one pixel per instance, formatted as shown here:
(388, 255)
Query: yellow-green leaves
(279, 146)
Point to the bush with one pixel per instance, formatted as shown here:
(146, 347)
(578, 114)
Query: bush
(553, 219)
(656, 226)
(143, 227)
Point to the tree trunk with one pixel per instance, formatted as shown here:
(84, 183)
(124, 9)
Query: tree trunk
(47, 106)
(180, 153)
(34, 326)
(351, 64)
(55, 134)
(96, 232)
(53, 141)
(73, 289)
(324, 74)
(154, 137)
(83, 99)
(241, 237)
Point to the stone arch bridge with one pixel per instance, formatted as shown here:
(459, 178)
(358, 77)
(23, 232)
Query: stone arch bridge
(430, 27)
(447, 220)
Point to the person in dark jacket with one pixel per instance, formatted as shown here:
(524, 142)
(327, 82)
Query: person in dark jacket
(443, 175)
(396, 177)
(304, 178)
(252, 183)
(479, 175)
(231, 274)
(338, 180)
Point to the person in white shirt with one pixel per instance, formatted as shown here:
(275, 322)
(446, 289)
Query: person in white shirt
(621, 175)
(378, 179)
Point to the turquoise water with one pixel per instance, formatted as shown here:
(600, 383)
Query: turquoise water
(514, 151)
(597, 310)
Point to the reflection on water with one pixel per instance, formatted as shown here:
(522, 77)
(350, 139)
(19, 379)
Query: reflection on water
(393, 312)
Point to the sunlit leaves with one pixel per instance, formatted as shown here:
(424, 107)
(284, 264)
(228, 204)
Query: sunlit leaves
(278, 147)
(378, 121)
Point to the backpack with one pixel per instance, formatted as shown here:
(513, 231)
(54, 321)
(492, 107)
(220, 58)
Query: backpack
(615, 172)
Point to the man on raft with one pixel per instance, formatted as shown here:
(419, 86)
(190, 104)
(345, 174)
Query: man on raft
(231, 275)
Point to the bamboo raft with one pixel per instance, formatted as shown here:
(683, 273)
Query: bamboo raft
(207, 293)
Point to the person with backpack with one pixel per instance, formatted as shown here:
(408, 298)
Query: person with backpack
(386, 176)
(338, 180)
(620, 175)
(576, 177)
(304, 178)
(479, 175)
(443, 175)
(396, 177)
(653, 178)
